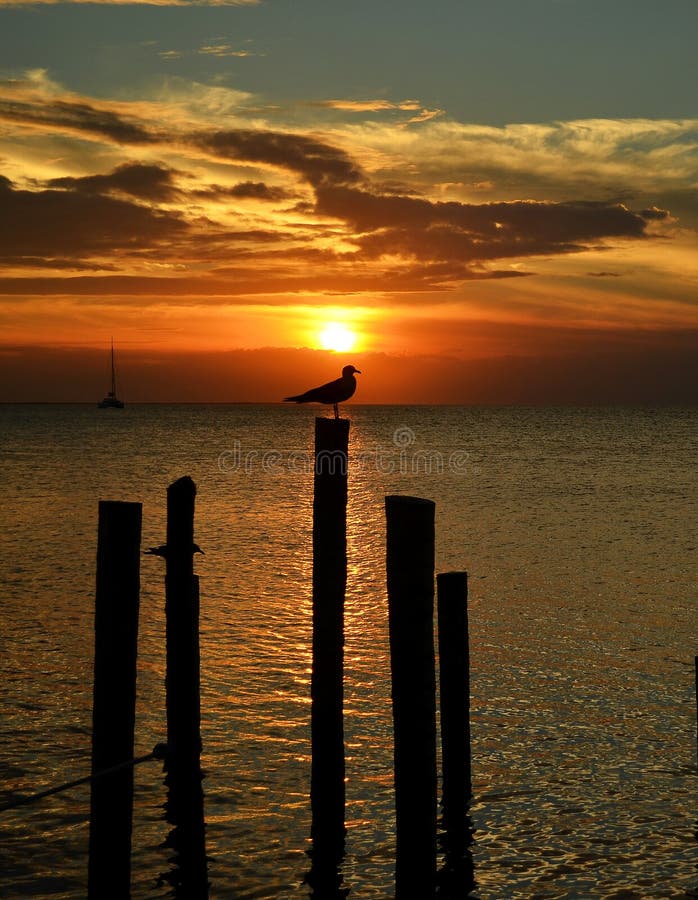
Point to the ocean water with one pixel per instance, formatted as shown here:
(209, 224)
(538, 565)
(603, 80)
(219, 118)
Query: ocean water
(578, 530)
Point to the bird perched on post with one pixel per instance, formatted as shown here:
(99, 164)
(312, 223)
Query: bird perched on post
(333, 392)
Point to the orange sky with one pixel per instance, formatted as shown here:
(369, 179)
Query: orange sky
(202, 229)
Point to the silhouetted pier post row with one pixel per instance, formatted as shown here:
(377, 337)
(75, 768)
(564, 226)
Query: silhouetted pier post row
(114, 699)
(454, 695)
(410, 576)
(327, 792)
(185, 805)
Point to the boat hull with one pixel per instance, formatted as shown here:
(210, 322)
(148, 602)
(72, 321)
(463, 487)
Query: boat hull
(110, 403)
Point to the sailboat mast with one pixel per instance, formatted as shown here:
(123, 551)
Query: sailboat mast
(111, 401)
(113, 371)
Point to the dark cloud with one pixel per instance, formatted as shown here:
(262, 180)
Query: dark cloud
(302, 253)
(245, 190)
(653, 213)
(143, 180)
(257, 190)
(252, 235)
(251, 278)
(214, 243)
(683, 203)
(444, 242)
(53, 223)
(80, 117)
(551, 222)
(47, 262)
(427, 230)
(316, 162)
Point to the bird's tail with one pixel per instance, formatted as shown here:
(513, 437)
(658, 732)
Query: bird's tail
(296, 399)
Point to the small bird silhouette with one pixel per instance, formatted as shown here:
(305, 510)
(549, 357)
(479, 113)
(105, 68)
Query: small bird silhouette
(333, 392)
(162, 550)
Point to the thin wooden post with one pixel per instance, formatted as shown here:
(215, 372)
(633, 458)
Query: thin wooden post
(185, 800)
(410, 575)
(696, 671)
(114, 701)
(454, 693)
(327, 793)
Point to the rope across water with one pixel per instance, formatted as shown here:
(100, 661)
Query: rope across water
(159, 751)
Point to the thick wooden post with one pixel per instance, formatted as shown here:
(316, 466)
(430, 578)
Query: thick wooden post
(185, 800)
(410, 574)
(329, 586)
(114, 706)
(454, 691)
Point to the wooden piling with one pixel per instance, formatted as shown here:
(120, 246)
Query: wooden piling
(185, 797)
(410, 576)
(182, 614)
(454, 694)
(327, 794)
(696, 673)
(114, 698)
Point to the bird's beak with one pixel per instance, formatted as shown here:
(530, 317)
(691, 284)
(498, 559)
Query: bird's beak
(358, 371)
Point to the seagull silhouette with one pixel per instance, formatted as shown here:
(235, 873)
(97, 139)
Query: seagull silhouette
(333, 392)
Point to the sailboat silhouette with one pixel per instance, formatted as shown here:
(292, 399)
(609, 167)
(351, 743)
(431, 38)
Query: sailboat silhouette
(111, 401)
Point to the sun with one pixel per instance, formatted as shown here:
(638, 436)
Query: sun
(337, 337)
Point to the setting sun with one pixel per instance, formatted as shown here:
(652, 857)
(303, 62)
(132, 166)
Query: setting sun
(338, 337)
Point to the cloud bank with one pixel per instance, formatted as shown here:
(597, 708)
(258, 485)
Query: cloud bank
(209, 208)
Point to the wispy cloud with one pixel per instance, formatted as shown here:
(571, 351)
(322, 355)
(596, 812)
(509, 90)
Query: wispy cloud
(421, 113)
(79, 118)
(37, 103)
(586, 155)
(223, 49)
(361, 106)
(217, 48)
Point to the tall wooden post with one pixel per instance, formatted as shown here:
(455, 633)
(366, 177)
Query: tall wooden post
(185, 800)
(410, 574)
(114, 706)
(454, 692)
(182, 614)
(329, 586)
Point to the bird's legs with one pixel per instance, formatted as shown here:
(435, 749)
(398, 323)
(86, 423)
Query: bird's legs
(336, 411)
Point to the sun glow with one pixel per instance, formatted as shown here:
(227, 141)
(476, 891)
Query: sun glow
(337, 337)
